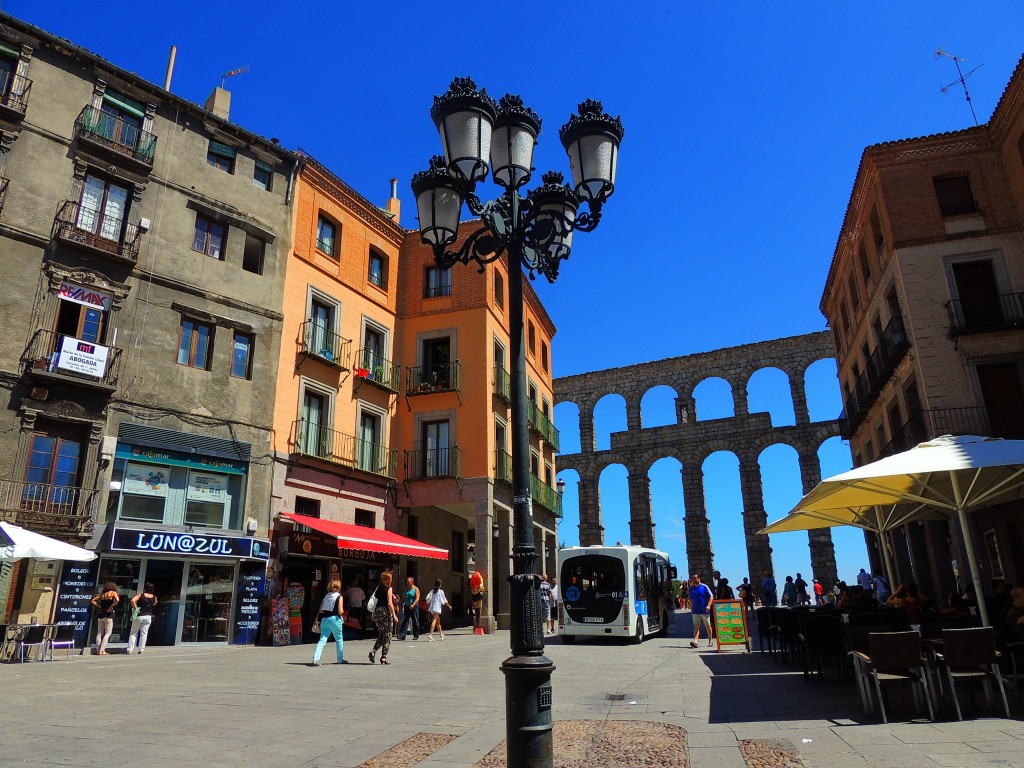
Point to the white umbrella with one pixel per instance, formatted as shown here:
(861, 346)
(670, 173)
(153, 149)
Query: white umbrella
(17, 542)
(951, 474)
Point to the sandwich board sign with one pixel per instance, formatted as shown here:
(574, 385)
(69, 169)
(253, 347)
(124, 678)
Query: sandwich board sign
(730, 617)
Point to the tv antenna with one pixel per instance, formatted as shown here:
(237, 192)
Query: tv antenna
(962, 79)
(234, 72)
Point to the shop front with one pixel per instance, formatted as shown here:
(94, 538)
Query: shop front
(209, 585)
(310, 551)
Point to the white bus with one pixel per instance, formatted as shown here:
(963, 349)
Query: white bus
(614, 592)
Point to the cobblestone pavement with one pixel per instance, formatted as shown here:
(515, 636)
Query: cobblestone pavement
(441, 704)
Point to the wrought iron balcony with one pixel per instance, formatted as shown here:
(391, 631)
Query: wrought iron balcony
(14, 94)
(542, 425)
(324, 345)
(3, 192)
(1003, 312)
(502, 384)
(370, 367)
(432, 463)
(115, 135)
(97, 231)
(315, 440)
(45, 502)
(57, 357)
(440, 377)
(545, 495)
(503, 466)
(926, 425)
(878, 369)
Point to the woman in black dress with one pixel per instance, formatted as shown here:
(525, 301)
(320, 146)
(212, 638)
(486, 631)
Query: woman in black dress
(384, 618)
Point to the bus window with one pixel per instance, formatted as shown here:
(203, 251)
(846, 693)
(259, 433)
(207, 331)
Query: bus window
(593, 586)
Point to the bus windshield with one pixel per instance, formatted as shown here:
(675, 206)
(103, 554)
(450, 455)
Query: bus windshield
(593, 587)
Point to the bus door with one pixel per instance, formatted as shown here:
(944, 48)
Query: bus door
(646, 590)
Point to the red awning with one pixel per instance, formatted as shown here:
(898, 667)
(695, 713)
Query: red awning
(372, 539)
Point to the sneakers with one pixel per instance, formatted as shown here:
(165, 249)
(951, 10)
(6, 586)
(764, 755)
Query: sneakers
(442, 637)
(314, 664)
(343, 662)
(693, 643)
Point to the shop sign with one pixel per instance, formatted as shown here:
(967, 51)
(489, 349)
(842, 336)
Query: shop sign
(145, 480)
(82, 357)
(203, 486)
(248, 602)
(85, 296)
(77, 588)
(143, 541)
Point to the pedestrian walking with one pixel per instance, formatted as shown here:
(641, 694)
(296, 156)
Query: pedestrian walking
(556, 598)
(436, 601)
(864, 579)
(105, 603)
(700, 606)
(724, 591)
(142, 616)
(817, 592)
(411, 601)
(746, 593)
(882, 590)
(768, 588)
(332, 609)
(384, 618)
(789, 596)
(476, 597)
(802, 597)
(545, 600)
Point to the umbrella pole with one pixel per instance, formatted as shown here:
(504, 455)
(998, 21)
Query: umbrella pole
(972, 563)
(887, 557)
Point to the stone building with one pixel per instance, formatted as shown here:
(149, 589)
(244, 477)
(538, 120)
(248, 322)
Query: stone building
(145, 241)
(453, 423)
(925, 300)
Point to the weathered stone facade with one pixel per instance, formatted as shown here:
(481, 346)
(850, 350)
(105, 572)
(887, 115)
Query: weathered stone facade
(691, 441)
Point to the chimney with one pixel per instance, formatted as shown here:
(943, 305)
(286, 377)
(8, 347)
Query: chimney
(394, 205)
(219, 102)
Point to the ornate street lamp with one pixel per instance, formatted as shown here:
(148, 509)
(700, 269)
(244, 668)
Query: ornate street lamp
(534, 232)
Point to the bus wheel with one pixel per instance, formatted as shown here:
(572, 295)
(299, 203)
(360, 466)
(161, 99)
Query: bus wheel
(663, 632)
(568, 639)
(639, 636)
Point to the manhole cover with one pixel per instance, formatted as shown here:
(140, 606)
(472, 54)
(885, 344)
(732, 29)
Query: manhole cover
(615, 696)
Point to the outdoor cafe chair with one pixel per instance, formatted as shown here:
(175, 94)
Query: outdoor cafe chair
(766, 629)
(1013, 650)
(970, 655)
(821, 638)
(63, 636)
(787, 629)
(895, 658)
(33, 636)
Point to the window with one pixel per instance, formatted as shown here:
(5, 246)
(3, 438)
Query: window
(892, 301)
(195, 344)
(500, 436)
(876, 229)
(208, 238)
(366, 518)
(52, 460)
(531, 392)
(241, 355)
(851, 284)
(545, 407)
(534, 464)
(499, 289)
(8, 70)
(263, 175)
(321, 339)
(531, 336)
(414, 527)
(977, 293)
(221, 157)
(954, 195)
(378, 274)
(119, 120)
(87, 322)
(436, 356)
(326, 237)
(306, 506)
(865, 265)
(880, 434)
(544, 355)
(371, 454)
(437, 282)
(179, 493)
(313, 432)
(102, 208)
(252, 256)
(436, 459)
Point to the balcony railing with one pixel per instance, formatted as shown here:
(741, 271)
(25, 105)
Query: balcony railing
(1000, 313)
(115, 134)
(502, 466)
(440, 377)
(325, 345)
(502, 384)
(432, 463)
(51, 354)
(51, 501)
(545, 495)
(377, 370)
(311, 439)
(878, 369)
(542, 425)
(3, 192)
(14, 94)
(926, 425)
(90, 228)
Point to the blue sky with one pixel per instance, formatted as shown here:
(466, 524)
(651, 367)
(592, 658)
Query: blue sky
(744, 128)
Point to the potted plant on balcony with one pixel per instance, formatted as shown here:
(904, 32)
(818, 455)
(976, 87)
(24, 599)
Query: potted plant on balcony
(435, 381)
(378, 373)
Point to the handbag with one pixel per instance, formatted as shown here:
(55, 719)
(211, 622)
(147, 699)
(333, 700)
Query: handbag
(315, 629)
(371, 604)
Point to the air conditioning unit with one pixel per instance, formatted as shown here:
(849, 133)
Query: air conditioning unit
(44, 575)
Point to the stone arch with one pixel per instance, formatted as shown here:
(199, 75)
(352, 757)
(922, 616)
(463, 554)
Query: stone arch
(715, 399)
(827, 403)
(571, 507)
(609, 412)
(764, 385)
(653, 397)
(567, 416)
(614, 491)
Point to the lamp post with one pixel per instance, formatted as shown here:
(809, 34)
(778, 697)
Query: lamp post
(535, 232)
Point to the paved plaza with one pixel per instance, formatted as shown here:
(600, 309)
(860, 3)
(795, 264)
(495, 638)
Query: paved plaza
(261, 706)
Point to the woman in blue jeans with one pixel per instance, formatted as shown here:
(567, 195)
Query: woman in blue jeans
(331, 609)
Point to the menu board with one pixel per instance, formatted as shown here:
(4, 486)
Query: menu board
(248, 602)
(730, 618)
(77, 588)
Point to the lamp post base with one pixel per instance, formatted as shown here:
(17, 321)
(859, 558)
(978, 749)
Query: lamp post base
(528, 711)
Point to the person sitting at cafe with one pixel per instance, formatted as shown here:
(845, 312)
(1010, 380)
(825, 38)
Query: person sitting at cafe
(1015, 617)
(955, 606)
(913, 603)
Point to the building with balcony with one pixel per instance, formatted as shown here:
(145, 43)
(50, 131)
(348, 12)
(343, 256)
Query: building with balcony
(453, 424)
(145, 242)
(925, 300)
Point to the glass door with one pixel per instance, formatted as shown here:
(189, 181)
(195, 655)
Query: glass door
(435, 449)
(166, 576)
(369, 457)
(208, 603)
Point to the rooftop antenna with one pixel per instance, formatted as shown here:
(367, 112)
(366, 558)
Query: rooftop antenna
(941, 54)
(233, 73)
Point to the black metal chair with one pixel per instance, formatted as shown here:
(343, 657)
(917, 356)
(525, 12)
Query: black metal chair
(969, 655)
(33, 636)
(787, 629)
(63, 636)
(765, 628)
(895, 658)
(822, 638)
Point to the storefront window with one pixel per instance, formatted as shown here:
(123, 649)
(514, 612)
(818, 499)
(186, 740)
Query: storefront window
(208, 607)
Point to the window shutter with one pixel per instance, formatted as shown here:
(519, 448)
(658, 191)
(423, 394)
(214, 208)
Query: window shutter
(222, 150)
(124, 103)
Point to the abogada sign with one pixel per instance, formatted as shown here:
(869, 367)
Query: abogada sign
(82, 357)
